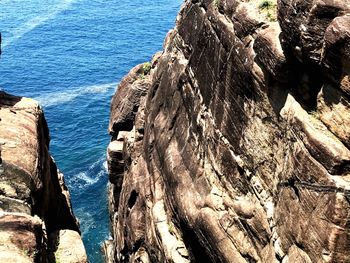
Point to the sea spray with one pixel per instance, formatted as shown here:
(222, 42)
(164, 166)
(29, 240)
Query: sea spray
(69, 94)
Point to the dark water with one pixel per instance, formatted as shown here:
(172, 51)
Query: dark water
(70, 55)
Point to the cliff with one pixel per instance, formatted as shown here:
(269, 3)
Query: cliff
(234, 146)
(36, 219)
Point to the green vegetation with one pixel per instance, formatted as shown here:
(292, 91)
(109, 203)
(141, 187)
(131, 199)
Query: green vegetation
(269, 8)
(171, 228)
(26, 252)
(145, 70)
(314, 114)
(57, 260)
(146, 67)
(216, 3)
(271, 17)
(267, 4)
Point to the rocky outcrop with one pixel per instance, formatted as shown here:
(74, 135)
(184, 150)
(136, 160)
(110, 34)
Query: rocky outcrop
(236, 147)
(34, 201)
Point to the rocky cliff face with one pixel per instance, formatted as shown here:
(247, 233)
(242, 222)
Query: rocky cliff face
(36, 220)
(235, 147)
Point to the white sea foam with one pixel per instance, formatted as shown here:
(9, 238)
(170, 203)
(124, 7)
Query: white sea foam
(83, 179)
(98, 162)
(55, 98)
(105, 165)
(37, 21)
(90, 176)
(87, 179)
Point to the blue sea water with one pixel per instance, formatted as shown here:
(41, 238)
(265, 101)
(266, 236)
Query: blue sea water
(70, 55)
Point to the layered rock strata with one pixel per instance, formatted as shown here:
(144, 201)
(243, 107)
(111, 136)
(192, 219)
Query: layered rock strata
(235, 147)
(36, 219)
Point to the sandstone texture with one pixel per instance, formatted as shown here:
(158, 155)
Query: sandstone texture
(34, 201)
(235, 146)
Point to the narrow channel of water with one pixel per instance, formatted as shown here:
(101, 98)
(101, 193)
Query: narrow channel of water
(70, 55)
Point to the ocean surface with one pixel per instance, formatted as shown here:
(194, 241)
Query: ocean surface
(70, 55)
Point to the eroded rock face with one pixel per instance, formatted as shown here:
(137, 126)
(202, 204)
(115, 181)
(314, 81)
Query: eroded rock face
(34, 201)
(70, 247)
(239, 150)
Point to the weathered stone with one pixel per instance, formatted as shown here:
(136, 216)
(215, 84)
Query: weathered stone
(336, 49)
(108, 251)
(21, 238)
(333, 109)
(31, 187)
(238, 151)
(70, 248)
(8, 204)
(269, 52)
(126, 102)
(304, 24)
(323, 145)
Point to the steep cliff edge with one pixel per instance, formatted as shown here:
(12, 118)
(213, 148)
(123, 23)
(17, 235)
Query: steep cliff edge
(36, 220)
(235, 146)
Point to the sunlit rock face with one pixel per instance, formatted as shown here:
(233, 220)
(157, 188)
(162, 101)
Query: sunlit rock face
(34, 201)
(236, 147)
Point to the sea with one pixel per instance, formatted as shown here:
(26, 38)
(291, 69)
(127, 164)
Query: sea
(70, 55)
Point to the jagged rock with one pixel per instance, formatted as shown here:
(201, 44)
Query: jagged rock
(31, 187)
(269, 52)
(304, 24)
(320, 142)
(238, 151)
(107, 248)
(336, 49)
(125, 105)
(334, 110)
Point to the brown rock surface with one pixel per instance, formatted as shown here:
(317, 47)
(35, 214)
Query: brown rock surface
(34, 201)
(70, 247)
(239, 151)
(21, 238)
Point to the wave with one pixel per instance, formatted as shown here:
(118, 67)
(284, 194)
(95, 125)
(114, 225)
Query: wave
(87, 179)
(91, 176)
(105, 165)
(98, 162)
(31, 24)
(55, 98)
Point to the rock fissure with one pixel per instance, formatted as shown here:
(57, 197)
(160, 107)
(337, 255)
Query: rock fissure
(315, 187)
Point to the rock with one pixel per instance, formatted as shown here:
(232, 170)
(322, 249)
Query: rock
(31, 187)
(333, 109)
(126, 102)
(336, 49)
(322, 144)
(295, 254)
(70, 248)
(269, 52)
(21, 238)
(304, 24)
(108, 251)
(238, 150)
